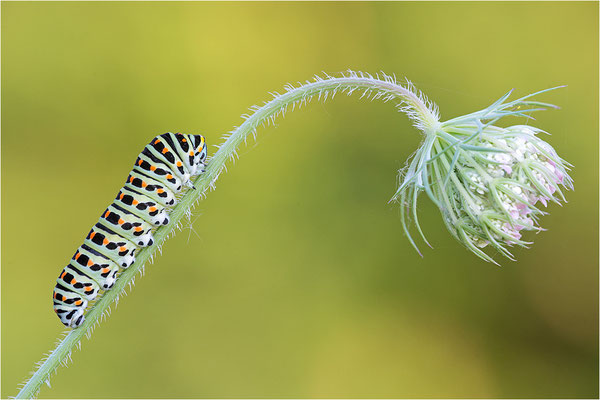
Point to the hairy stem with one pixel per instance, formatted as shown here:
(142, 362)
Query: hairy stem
(412, 103)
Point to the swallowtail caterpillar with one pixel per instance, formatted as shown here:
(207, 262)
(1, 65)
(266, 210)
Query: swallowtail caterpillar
(162, 170)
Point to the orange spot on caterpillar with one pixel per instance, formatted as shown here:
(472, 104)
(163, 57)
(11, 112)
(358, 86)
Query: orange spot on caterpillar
(121, 222)
(106, 214)
(77, 255)
(159, 190)
(122, 248)
(131, 179)
(90, 263)
(184, 140)
(179, 164)
(89, 289)
(140, 162)
(63, 274)
(191, 153)
(152, 209)
(144, 184)
(165, 150)
(105, 270)
(152, 168)
(73, 281)
(169, 176)
(92, 235)
(138, 229)
(134, 202)
(78, 302)
(105, 241)
(121, 196)
(156, 141)
(64, 297)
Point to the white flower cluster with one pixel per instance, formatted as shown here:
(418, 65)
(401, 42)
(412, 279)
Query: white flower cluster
(488, 182)
(504, 185)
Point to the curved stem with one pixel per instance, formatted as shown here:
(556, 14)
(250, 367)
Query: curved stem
(414, 105)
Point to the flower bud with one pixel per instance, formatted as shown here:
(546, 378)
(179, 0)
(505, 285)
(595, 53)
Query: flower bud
(489, 183)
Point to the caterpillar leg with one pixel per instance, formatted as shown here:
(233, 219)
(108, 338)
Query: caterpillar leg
(190, 185)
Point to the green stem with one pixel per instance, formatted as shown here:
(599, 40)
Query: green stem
(411, 103)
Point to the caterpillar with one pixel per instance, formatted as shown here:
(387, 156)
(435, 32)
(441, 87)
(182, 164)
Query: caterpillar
(161, 171)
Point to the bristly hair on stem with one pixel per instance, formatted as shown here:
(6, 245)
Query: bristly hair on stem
(412, 102)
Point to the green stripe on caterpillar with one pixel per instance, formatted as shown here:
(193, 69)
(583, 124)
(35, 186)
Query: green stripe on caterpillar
(162, 170)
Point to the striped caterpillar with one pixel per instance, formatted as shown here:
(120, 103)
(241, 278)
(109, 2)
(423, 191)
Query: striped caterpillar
(162, 170)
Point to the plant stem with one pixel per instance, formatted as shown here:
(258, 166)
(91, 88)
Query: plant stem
(411, 103)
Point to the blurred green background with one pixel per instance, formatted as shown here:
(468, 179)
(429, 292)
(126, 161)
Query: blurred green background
(295, 279)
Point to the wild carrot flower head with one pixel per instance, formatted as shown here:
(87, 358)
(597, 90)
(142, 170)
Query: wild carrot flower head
(490, 183)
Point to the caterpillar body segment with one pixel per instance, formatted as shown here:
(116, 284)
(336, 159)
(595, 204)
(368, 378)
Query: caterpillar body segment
(68, 297)
(157, 160)
(96, 266)
(108, 243)
(161, 172)
(164, 177)
(151, 188)
(160, 150)
(142, 206)
(74, 280)
(127, 225)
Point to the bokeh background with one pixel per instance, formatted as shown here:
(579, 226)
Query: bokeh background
(294, 279)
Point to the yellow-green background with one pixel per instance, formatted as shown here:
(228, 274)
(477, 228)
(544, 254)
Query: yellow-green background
(296, 280)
